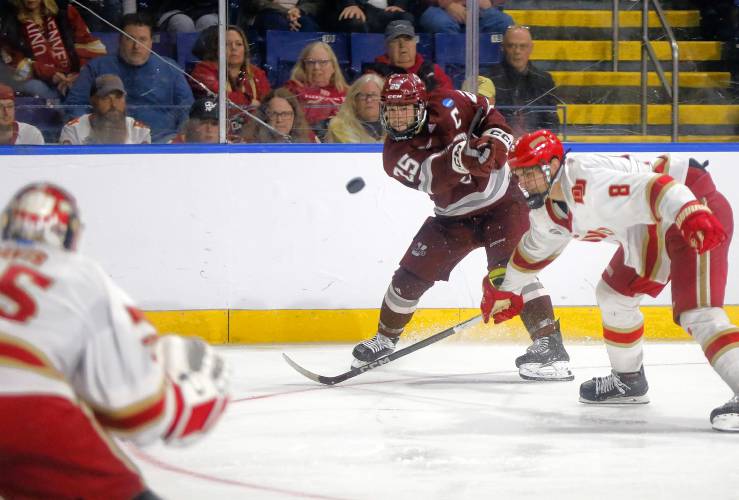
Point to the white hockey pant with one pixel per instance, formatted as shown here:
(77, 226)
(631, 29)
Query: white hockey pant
(623, 327)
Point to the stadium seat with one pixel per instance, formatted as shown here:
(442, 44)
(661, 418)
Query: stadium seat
(164, 43)
(185, 43)
(283, 49)
(450, 52)
(47, 117)
(366, 46)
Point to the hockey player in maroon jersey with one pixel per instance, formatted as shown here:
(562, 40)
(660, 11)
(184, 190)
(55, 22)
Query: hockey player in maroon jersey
(670, 223)
(80, 364)
(476, 206)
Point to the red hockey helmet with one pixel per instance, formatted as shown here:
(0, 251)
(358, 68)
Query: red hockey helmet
(536, 150)
(42, 212)
(400, 90)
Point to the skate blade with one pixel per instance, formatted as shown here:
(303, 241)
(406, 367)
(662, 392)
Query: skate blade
(621, 400)
(558, 371)
(728, 422)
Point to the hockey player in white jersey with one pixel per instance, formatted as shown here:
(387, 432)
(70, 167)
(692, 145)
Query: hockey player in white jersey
(80, 364)
(669, 222)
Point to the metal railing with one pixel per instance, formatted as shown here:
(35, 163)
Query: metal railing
(648, 51)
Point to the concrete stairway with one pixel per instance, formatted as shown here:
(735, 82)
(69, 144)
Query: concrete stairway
(572, 40)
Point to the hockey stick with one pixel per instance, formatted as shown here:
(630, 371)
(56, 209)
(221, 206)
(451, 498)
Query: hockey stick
(384, 360)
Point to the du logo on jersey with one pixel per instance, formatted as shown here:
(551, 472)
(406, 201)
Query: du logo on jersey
(419, 250)
(448, 102)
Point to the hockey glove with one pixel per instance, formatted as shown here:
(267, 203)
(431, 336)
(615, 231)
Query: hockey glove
(700, 228)
(200, 382)
(500, 304)
(479, 155)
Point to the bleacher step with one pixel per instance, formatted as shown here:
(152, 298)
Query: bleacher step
(651, 138)
(600, 50)
(703, 79)
(601, 18)
(657, 114)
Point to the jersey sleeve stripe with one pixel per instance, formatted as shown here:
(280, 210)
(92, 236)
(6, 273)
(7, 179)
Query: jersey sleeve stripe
(656, 190)
(135, 416)
(18, 354)
(521, 262)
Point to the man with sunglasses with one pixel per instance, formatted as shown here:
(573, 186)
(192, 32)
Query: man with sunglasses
(669, 223)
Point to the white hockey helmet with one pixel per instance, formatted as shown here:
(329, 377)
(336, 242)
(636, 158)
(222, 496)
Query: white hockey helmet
(42, 212)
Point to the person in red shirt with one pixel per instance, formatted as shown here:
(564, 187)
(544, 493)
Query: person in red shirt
(319, 85)
(436, 145)
(46, 46)
(402, 57)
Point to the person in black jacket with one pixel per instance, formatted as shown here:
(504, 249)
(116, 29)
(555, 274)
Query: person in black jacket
(523, 86)
(371, 16)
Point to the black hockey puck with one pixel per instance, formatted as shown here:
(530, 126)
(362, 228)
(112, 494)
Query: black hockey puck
(355, 185)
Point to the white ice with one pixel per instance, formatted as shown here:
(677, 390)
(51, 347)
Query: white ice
(454, 421)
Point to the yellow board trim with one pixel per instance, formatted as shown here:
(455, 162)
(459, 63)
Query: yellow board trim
(600, 50)
(651, 138)
(602, 18)
(657, 114)
(581, 323)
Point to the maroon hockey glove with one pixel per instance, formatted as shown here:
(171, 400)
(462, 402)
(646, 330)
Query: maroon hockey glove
(700, 228)
(500, 304)
(479, 155)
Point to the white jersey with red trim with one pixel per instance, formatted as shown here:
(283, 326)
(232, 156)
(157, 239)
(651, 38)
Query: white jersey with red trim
(24, 133)
(607, 198)
(78, 131)
(67, 330)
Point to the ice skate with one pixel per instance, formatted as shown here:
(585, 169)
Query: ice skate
(373, 349)
(545, 359)
(616, 388)
(726, 417)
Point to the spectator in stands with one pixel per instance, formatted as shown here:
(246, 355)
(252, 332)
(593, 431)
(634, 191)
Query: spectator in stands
(402, 57)
(285, 15)
(283, 112)
(108, 123)
(46, 44)
(450, 16)
(157, 91)
(202, 127)
(358, 119)
(11, 131)
(178, 16)
(372, 16)
(519, 83)
(247, 84)
(319, 85)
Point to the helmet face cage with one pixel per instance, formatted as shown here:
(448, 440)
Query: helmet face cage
(44, 213)
(536, 150)
(403, 89)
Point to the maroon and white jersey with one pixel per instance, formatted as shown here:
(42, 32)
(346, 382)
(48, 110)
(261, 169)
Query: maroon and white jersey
(425, 161)
(618, 199)
(23, 133)
(78, 131)
(66, 330)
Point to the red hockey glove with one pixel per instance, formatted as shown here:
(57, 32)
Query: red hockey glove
(700, 228)
(498, 303)
(200, 381)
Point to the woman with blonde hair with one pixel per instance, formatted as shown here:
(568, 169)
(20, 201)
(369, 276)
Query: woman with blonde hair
(282, 111)
(318, 83)
(45, 46)
(358, 120)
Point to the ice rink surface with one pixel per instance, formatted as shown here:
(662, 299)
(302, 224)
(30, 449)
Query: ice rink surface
(454, 421)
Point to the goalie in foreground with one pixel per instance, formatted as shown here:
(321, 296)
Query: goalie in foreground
(669, 222)
(79, 363)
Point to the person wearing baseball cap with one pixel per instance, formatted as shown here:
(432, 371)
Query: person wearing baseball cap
(402, 57)
(11, 131)
(202, 126)
(108, 123)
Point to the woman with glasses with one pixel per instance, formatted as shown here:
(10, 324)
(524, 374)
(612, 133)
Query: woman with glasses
(284, 115)
(358, 120)
(319, 85)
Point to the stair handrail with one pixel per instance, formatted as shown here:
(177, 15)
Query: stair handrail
(648, 51)
(615, 34)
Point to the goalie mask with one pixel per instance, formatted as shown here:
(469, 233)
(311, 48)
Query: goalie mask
(536, 151)
(403, 106)
(42, 212)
